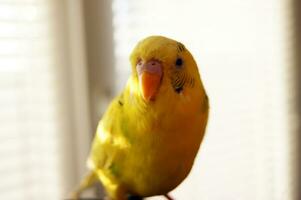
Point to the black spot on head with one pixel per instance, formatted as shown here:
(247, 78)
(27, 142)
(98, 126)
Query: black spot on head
(181, 47)
(120, 103)
(179, 89)
(191, 82)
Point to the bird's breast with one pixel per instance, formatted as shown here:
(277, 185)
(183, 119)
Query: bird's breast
(162, 156)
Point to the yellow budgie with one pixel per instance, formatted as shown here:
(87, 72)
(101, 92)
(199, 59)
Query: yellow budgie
(147, 140)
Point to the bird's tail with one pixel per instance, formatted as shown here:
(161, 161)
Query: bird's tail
(89, 179)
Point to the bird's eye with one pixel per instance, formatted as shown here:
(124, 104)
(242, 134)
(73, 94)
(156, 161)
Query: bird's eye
(179, 63)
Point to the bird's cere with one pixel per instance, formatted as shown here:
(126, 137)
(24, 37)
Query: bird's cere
(150, 75)
(152, 66)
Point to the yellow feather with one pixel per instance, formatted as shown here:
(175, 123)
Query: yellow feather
(148, 148)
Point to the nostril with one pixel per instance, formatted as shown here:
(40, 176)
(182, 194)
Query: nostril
(139, 62)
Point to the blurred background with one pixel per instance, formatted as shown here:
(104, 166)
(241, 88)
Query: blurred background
(62, 61)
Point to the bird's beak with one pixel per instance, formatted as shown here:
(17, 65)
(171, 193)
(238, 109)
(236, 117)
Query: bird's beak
(150, 74)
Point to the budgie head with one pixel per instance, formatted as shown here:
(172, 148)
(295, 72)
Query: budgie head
(164, 67)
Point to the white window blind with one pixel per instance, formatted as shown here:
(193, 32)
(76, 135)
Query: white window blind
(244, 56)
(35, 114)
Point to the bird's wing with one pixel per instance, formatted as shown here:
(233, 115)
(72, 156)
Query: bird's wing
(109, 140)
